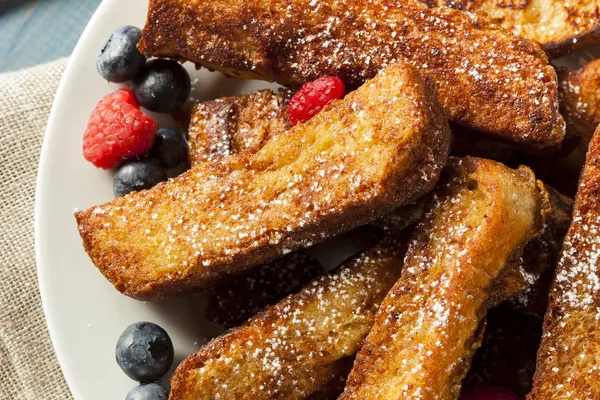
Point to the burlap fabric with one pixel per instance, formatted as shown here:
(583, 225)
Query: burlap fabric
(28, 366)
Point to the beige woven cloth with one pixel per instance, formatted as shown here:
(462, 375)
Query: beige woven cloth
(28, 365)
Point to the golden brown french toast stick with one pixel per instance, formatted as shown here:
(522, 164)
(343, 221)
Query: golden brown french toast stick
(254, 117)
(380, 147)
(261, 115)
(559, 26)
(567, 360)
(480, 219)
(301, 345)
(487, 78)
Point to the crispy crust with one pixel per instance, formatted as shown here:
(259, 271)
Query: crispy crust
(382, 146)
(301, 345)
(558, 26)
(487, 78)
(429, 325)
(235, 300)
(238, 124)
(568, 355)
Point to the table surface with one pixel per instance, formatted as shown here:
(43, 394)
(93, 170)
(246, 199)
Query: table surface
(37, 31)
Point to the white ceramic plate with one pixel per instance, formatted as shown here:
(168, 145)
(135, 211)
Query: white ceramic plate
(85, 314)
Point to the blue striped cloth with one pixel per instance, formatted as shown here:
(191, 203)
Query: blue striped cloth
(36, 31)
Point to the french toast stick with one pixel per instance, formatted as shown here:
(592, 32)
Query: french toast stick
(559, 26)
(487, 78)
(264, 114)
(235, 300)
(567, 360)
(301, 345)
(481, 217)
(380, 147)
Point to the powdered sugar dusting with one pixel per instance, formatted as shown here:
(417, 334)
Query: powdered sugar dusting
(579, 283)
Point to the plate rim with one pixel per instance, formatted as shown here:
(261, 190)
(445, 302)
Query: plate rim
(49, 133)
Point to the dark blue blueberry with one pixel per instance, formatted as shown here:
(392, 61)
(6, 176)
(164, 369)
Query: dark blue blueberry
(170, 148)
(151, 391)
(145, 352)
(136, 176)
(120, 60)
(162, 85)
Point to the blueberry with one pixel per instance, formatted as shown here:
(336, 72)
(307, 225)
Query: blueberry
(170, 148)
(144, 352)
(136, 176)
(151, 391)
(120, 60)
(162, 85)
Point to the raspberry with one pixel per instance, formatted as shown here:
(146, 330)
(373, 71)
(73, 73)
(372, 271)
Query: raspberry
(490, 393)
(117, 130)
(313, 96)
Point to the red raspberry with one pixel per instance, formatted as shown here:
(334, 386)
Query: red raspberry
(313, 96)
(490, 393)
(117, 129)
